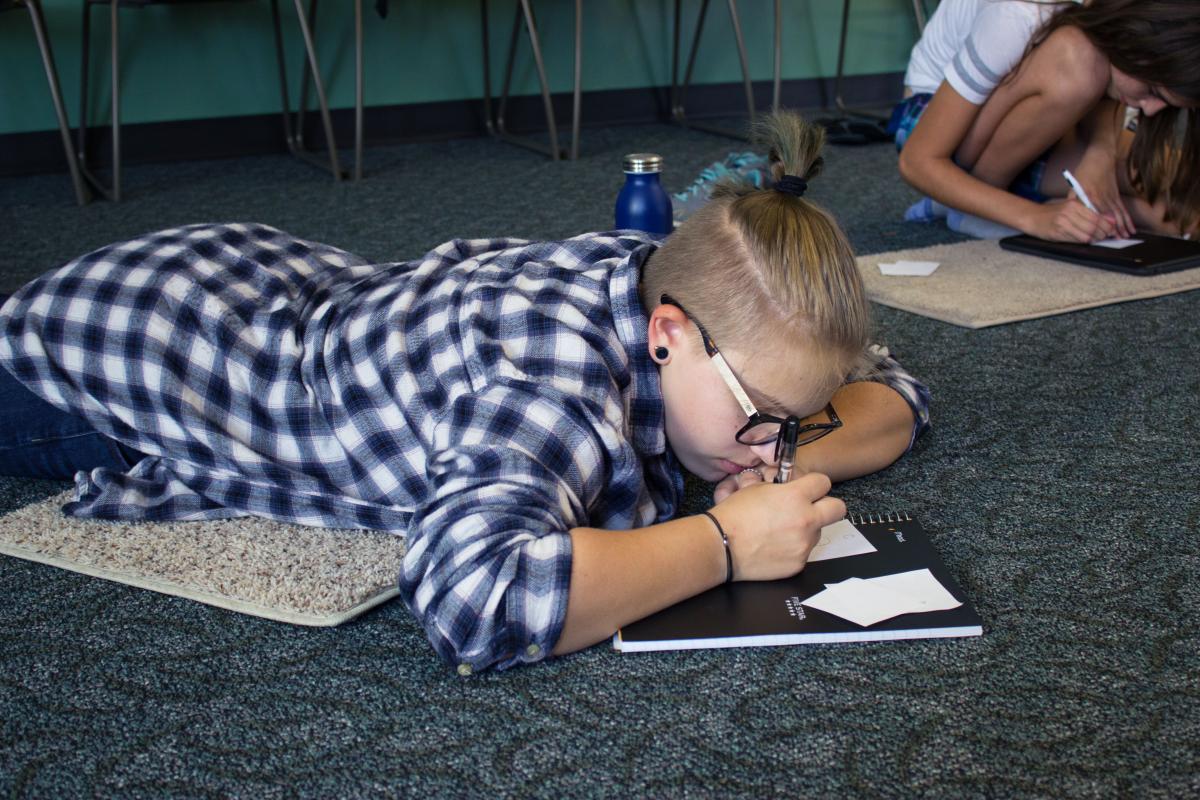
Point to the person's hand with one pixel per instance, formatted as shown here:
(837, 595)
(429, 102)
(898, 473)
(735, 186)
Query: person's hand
(773, 527)
(1069, 221)
(764, 473)
(1097, 174)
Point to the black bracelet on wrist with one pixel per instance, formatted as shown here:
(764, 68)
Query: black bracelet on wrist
(725, 541)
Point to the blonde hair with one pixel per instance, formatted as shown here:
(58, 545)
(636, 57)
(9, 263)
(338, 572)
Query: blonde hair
(762, 265)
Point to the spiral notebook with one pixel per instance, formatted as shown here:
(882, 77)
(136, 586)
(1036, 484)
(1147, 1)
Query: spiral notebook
(763, 613)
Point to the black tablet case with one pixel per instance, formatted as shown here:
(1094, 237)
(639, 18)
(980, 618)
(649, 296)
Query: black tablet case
(1154, 256)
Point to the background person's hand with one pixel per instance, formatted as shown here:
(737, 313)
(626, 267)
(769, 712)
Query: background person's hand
(1070, 221)
(1098, 177)
(773, 527)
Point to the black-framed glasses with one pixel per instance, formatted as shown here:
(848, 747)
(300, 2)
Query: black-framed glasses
(760, 428)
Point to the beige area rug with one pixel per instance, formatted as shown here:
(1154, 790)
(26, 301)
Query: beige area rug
(978, 284)
(289, 573)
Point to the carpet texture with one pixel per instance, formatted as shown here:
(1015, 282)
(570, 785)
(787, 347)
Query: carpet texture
(1058, 485)
(979, 284)
(289, 573)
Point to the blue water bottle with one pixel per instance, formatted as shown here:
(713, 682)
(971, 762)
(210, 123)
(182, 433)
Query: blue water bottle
(643, 204)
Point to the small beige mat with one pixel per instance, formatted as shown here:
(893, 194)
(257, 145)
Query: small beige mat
(301, 575)
(979, 284)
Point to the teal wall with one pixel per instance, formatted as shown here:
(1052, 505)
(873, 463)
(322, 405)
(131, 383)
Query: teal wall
(216, 60)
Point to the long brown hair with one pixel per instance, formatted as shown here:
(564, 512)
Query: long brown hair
(1157, 42)
(761, 265)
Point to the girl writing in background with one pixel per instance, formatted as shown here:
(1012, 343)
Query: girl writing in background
(521, 412)
(1004, 95)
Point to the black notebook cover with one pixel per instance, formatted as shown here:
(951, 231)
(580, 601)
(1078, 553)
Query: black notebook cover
(758, 613)
(1154, 256)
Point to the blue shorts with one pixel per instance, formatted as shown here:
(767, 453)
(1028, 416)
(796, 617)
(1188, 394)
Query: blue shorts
(908, 112)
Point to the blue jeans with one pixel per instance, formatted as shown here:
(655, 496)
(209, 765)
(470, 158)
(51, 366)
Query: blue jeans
(39, 441)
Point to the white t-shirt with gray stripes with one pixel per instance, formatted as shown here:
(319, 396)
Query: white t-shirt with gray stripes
(973, 44)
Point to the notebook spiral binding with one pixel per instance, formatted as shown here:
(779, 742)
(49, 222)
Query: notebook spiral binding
(873, 519)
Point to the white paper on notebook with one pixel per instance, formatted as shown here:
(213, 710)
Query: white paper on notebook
(919, 269)
(1117, 244)
(839, 540)
(856, 600)
(865, 601)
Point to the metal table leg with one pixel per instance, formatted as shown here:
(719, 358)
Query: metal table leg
(841, 62)
(294, 137)
(39, 29)
(294, 134)
(497, 125)
(358, 84)
(919, 13)
(358, 90)
(678, 90)
(358, 87)
(111, 192)
(577, 89)
(839, 102)
(777, 82)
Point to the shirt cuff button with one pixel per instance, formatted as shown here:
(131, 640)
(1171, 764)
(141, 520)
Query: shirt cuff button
(464, 670)
(532, 650)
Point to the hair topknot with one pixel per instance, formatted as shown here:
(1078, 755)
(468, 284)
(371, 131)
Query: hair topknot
(793, 146)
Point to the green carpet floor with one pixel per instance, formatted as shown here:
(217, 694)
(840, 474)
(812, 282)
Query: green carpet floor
(1059, 484)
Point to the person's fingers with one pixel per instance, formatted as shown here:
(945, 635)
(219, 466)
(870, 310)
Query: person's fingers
(750, 476)
(747, 477)
(1081, 224)
(726, 487)
(1073, 229)
(1114, 219)
(812, 486)
(1115, 206)
(1128, 228)
(830, 510)
(1114, 212)
(1073, 221)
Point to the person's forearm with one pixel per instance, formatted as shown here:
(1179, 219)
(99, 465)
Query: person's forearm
(618, 577)
(877, 426)
(1101, 128)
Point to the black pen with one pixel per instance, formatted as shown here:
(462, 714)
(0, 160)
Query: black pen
(785, 450)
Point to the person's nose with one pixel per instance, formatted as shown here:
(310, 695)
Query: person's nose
(1153, 105)
(764, 452)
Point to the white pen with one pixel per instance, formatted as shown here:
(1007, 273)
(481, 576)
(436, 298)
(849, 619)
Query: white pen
(1079, 192)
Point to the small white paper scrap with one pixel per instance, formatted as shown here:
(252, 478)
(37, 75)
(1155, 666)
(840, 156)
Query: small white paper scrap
(1118, 244)
(920, 269)
(839, 540)
(870, 600)
(856, 600)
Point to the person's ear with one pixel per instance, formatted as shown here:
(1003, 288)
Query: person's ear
(666, 331)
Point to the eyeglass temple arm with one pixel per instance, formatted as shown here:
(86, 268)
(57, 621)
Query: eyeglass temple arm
(733, 383)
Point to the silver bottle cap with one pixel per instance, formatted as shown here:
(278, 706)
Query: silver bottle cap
(643, 162)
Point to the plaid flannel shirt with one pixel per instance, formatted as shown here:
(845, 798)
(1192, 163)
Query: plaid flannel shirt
(483, 400)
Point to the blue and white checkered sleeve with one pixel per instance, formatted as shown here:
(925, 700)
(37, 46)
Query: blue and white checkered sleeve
(459, 250)
(488, 566)
(882, 368)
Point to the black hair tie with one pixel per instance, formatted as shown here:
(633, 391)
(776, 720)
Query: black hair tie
(791, 184)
